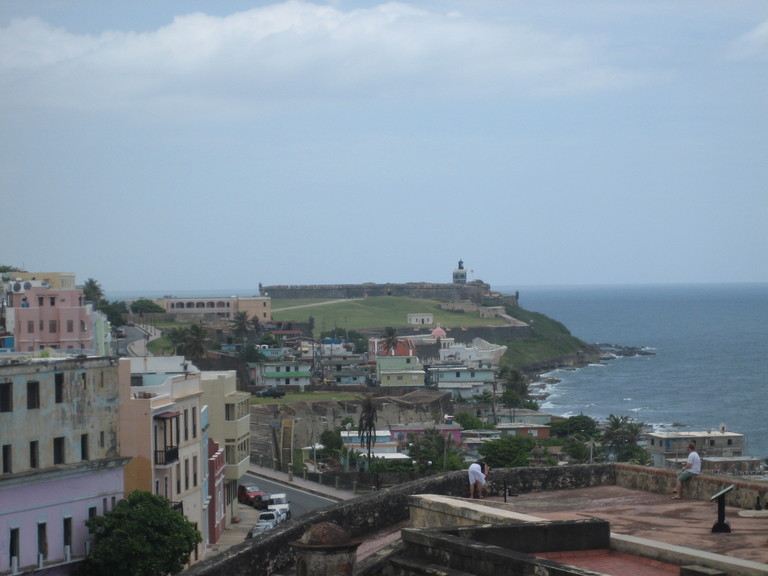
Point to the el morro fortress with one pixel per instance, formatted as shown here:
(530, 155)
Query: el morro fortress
(459, 290)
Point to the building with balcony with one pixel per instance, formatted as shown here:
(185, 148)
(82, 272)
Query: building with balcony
(161, 423)
(461, 381)
(229, 419)
(284, 373)
(61, 459)
(400, 371)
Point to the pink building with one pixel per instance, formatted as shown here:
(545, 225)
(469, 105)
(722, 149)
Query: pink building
(40, 317)
(217, 504)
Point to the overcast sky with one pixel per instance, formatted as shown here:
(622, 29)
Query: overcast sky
(201, 145)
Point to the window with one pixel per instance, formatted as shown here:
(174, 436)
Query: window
(41, 325)
(40, 301)
(229, 412)
(58, 450)
(194, 471)
(30, 326)
(14, 541)
(178, 478)
(194, 422)
(58, 379)
(101, 439)
(7, 459)
(66, 531)
(34, 454)
(33, 395)
(6, 397)
(91, 514)
(42, 540)
(186, 424)
(83, 446)
(70, 325)
(730, 442)
(52, 326)
(53, 300)
(186, 474)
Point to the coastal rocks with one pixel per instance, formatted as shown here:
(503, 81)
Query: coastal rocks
(615, 350)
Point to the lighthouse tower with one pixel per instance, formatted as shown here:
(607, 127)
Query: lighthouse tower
(459, 274)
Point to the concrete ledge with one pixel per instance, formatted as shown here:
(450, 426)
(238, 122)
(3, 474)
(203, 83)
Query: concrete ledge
(432, 510)
(681, 556)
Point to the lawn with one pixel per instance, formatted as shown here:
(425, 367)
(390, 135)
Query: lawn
(374, 312)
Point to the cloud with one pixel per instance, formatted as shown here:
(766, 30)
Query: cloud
(753, 45)
(295, 51)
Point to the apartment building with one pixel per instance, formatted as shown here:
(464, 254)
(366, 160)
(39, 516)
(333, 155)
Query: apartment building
(61, 459)
(161, 424)
(229, 418)
(41, 317)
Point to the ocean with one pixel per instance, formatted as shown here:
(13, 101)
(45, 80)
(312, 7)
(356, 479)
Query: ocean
(710, 362)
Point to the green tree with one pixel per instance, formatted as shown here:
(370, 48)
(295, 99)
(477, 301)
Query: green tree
(178, 336)
(390, 339)
(470, 422)
(92, 291)
(509, 451)
(621, 436)
(195, 344)
(114, 311)
(581, 424)
(241, 325)
(141, 536)
(145, 305)
(252, 354)
(331, 440)
(366, 425)
(433, 452)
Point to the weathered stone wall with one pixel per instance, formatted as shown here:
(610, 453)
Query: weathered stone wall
(475, 291)
(702, 487)
(370, 513)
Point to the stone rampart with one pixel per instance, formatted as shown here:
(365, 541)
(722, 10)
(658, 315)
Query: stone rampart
(475, 291)
(373, 512)
(744, 495)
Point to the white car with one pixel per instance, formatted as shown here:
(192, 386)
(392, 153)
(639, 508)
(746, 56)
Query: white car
(276, 516)
(281, 503)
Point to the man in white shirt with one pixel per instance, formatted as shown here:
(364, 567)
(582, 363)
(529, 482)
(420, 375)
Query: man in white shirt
(692, 468)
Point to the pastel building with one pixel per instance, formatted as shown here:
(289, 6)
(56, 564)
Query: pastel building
(229, 419)
(161, 424)
(284, 373)
(461, 381)
(258, 307)
(41, 317)
(61, 459)
(402, 371)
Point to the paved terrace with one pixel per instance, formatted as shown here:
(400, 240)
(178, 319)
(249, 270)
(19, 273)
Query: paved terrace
(685, 523)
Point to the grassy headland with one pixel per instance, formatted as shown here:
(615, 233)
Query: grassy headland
(551, 345)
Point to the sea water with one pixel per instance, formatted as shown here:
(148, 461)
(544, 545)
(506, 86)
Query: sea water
(709, 366)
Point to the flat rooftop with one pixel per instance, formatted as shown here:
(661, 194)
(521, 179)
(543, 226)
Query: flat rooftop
(657, 517)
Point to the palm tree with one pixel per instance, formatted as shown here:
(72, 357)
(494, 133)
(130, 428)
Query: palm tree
(241, 324)
(366, 425)
(390, 340)
(177, 336)
(92, 291)
(195, 345)
(622, 435)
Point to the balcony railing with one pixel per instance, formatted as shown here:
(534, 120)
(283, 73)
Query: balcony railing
(167, 456)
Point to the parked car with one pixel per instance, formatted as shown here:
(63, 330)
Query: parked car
(261, 501)
(259, 528)
(247, 493)
(278, 516)
(281, 503)
(270, 393)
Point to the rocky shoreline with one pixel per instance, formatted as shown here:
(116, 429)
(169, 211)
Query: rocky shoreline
(593, 354)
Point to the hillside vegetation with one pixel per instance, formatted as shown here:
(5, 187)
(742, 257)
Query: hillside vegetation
(551, 344)
(370, 313)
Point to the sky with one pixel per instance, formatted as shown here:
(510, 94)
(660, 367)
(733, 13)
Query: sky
(185, 145)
